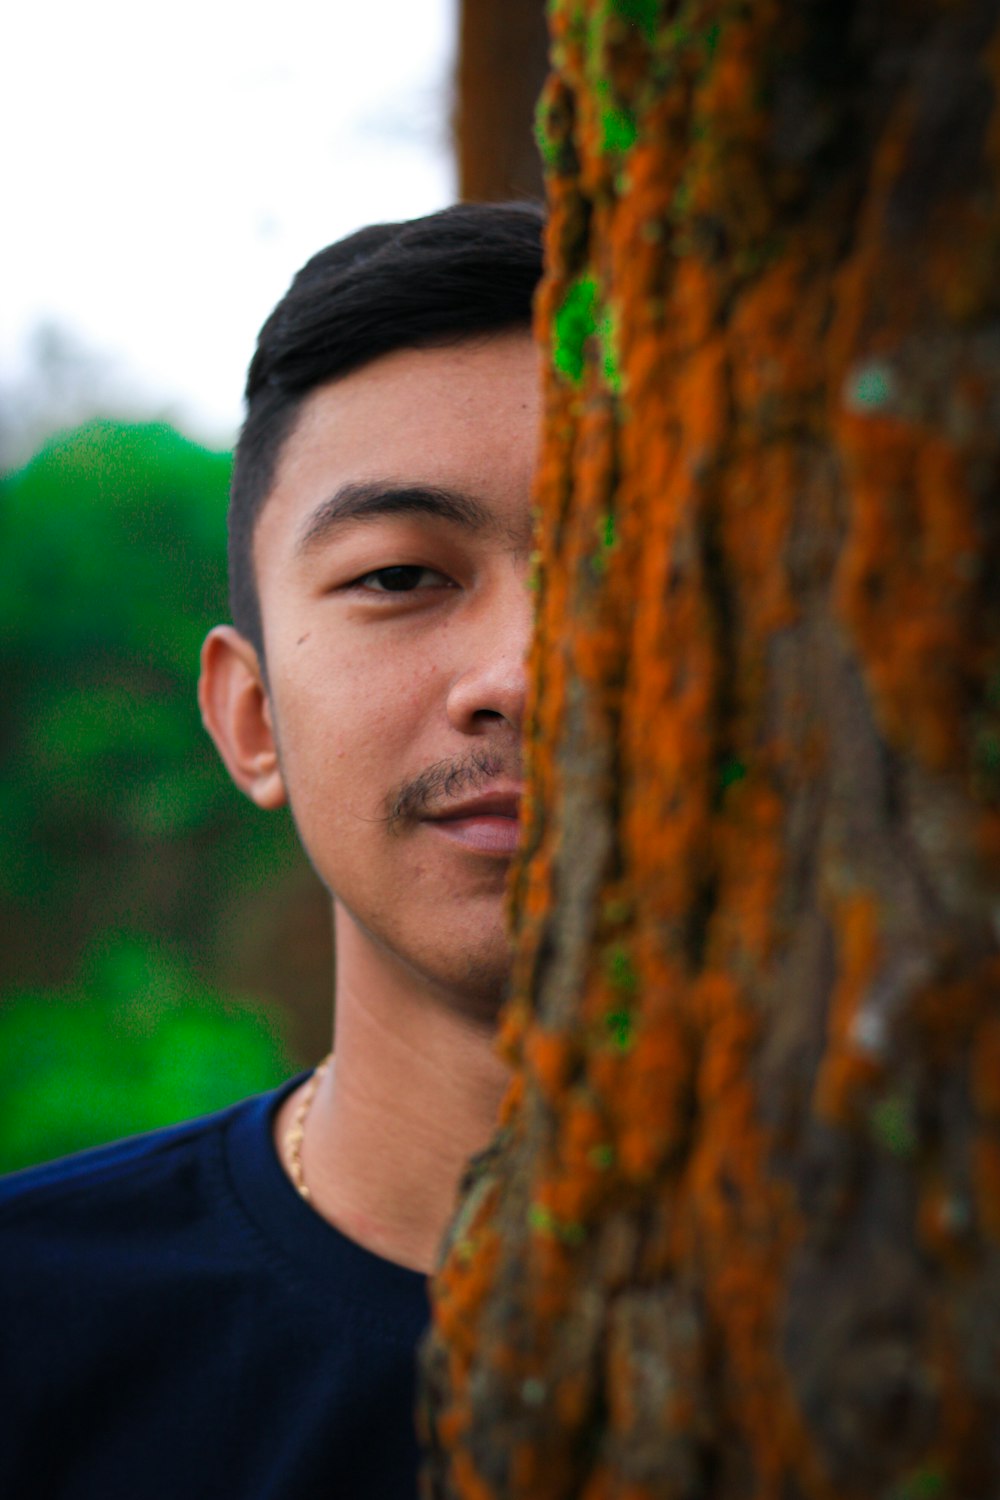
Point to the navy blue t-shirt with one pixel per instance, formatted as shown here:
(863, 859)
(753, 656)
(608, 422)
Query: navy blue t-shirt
(177, 1324)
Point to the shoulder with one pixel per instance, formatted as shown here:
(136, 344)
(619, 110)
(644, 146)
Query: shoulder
(88, 1184)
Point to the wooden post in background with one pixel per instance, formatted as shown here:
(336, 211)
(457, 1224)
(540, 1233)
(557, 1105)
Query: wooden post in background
(502, 62)
(740, 1236)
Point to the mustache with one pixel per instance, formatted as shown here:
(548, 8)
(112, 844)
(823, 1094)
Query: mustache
(442, 781)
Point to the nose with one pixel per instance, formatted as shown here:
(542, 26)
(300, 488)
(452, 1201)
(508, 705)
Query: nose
(491, 683)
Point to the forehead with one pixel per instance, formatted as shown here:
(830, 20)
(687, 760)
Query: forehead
(464, 417)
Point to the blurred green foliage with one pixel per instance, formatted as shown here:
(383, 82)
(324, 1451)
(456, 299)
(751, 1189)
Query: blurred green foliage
(116, 817)
(135, 1042)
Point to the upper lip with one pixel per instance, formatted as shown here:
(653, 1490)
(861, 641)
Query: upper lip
(498, 804)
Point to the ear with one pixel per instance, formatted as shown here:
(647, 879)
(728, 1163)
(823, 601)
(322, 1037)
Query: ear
(236, 711)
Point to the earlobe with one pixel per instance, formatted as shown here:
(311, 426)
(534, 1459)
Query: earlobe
(236, 711)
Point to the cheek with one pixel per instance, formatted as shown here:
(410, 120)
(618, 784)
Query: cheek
(351, 731)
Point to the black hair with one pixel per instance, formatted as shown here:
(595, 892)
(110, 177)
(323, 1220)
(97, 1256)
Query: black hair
(466, 270)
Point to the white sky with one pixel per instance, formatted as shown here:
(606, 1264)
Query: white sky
(167, 168)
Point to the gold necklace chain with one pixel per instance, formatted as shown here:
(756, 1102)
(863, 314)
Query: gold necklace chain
(295, 1134)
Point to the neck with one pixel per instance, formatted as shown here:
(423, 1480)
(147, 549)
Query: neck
(414, 1090)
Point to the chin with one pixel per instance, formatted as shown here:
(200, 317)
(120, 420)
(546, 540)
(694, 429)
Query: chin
(478, 988)
(466, 967)
(475, 983)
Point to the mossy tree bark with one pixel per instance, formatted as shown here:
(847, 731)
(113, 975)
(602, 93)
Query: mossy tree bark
(740, 1233)
(502, 62)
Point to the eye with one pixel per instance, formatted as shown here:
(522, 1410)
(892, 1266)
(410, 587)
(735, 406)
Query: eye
(403, 578)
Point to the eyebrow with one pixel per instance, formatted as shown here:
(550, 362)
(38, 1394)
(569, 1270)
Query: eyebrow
(368, 501)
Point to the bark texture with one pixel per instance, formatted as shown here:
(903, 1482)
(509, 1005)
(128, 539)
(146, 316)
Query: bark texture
(740, 1233)
(502, 62)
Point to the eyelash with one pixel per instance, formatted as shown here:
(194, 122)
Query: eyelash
(400, 569)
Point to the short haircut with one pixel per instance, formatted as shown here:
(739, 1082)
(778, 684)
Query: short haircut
(467, 270)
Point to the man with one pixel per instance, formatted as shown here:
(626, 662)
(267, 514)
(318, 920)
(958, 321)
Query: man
(231, 1308)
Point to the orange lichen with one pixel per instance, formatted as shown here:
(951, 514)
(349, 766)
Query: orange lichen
(652, 1099)
(549, 1057)
(461, 1286)
(944, 1223)
(468, 1481)
(513, 1099)
(904, 583)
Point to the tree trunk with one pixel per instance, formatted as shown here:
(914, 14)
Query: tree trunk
(740, 1234)
(502, 60)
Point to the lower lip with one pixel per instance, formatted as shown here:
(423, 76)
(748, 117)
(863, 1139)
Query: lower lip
(486, 833)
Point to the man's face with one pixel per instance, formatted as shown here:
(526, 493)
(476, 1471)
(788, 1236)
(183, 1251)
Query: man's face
(391, 560)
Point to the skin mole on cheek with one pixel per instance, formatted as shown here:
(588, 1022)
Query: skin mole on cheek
(303, 638)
